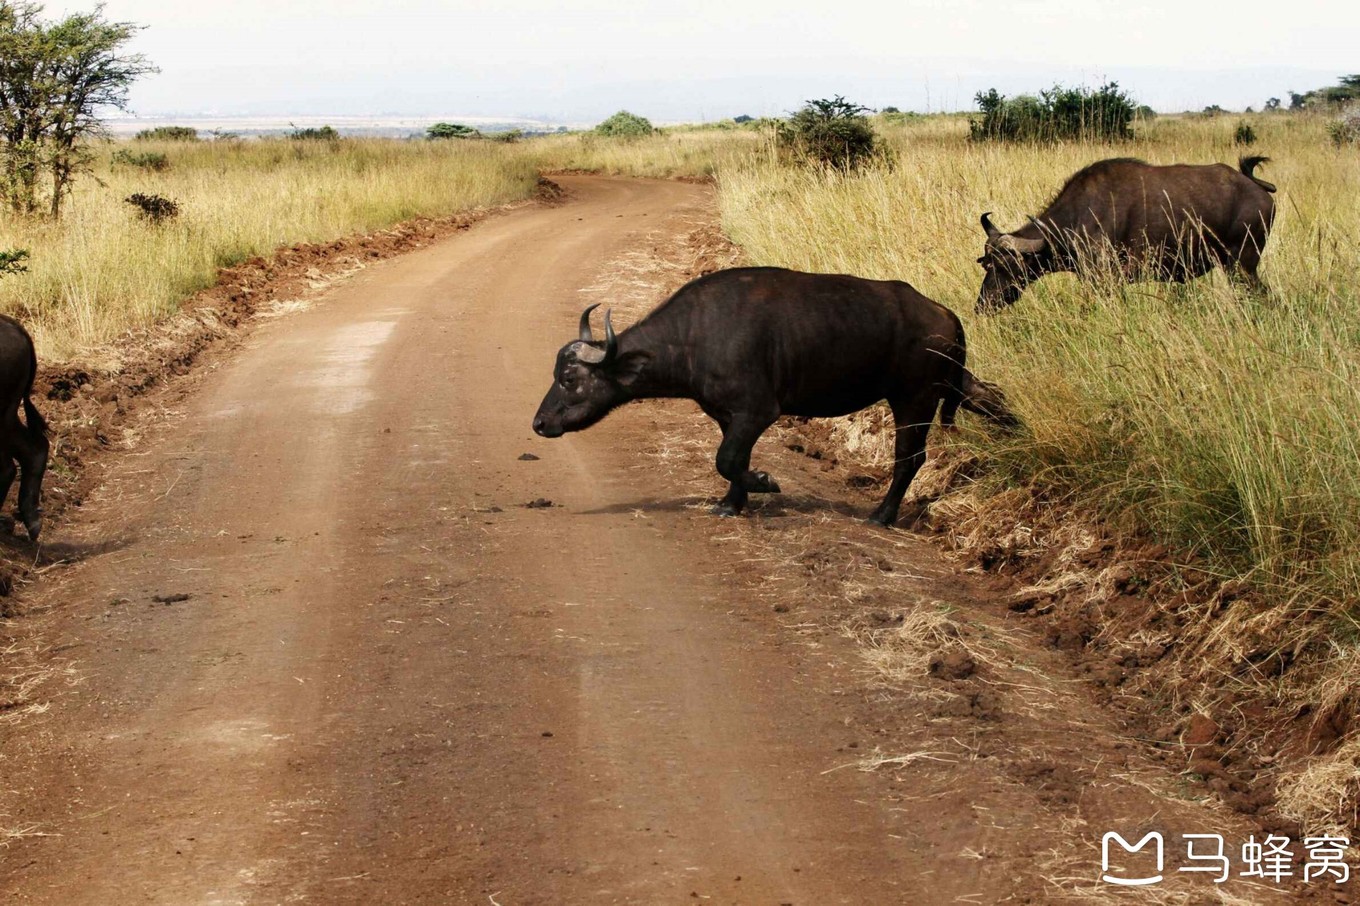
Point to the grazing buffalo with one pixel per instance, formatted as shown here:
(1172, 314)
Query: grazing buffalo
(751, 344)
(26, 443)
(1171, 223)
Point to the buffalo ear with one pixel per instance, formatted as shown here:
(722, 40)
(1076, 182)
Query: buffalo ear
(629, 366)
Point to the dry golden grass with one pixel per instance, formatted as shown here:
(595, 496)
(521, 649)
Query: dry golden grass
(1201, 415)
(670, 153)
(102, 270)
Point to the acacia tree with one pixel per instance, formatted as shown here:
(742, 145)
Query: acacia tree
(55, 79)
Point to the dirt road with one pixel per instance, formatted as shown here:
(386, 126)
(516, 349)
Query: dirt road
(321, 650)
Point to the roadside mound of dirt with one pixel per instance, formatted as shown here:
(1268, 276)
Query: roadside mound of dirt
(1230, 682)
(92, 402)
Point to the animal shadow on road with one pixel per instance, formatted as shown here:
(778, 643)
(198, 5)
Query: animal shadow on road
(48, 553)
(767, 505)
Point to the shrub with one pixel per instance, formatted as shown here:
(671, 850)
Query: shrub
(1057, 114)
(168, 134)
(625, 125)
(1244, 134)
(509, 136)
(146, 160)
(1144, 114)
(833, 133)
(155, 208)
(12, 261)
(314, 134)
(744, 118)
(1346, 91)
(1345, 129)
(451, 130)
(895, 117)
(1212, 110)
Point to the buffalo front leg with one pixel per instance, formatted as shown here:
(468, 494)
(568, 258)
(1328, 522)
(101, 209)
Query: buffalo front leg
(912, 423)
(740, 434)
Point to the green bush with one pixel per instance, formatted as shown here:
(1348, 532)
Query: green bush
(1244, 134)
(154, 208)
(509, 136)
(155, 161)
(1057, 114)
(168, 134)
(1345, 129)
(1347, 90)
(314, 134)
(625, 125)
(451, 130)
(833, 133)
(12, 261)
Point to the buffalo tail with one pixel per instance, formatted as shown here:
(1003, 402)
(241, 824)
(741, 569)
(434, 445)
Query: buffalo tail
(1247, 164)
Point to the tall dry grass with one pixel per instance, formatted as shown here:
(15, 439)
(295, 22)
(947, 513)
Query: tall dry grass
(101, 270)
(1221, 422)
(1216, 419)
(697, 152)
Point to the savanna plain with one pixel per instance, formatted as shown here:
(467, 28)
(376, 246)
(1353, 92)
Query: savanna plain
(1180, 512)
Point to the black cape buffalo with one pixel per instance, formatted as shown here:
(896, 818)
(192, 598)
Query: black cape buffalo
(751, 344)
(26, 443)
(1171, 223)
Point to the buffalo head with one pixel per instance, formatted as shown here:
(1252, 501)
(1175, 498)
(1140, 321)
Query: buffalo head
(589, 379)
(1010, 263)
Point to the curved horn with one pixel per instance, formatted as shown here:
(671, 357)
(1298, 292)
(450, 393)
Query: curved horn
(594, 355)
(992, 231)
(1023, 246)
(611, 342)
(585, 322)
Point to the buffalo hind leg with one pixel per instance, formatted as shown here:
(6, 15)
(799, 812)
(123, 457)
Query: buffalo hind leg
(7, 473)
(31, 451)
(912, 425)
(740, 434)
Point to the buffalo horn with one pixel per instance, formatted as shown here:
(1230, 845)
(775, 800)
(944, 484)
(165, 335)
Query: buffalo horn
(594, 355)
(611, 342)
(586, 335)
(992, 231)
(1023, 246)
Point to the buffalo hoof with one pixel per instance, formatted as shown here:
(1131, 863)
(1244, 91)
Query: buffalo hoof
(881, 520)
(724, 509)
(762, 483)
(34, 527)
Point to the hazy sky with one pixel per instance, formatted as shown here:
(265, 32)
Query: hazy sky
(676, 60)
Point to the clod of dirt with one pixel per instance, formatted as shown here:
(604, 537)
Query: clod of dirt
(976, 705)
(171, 599)
(528, 457)
(1199, 731)
(780, 608)
(952, 664)
(861, 481)
(542, 503)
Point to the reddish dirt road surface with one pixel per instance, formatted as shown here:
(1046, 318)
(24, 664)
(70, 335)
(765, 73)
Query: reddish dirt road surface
(318, 648)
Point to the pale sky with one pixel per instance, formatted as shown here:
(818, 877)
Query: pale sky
(673, 60)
